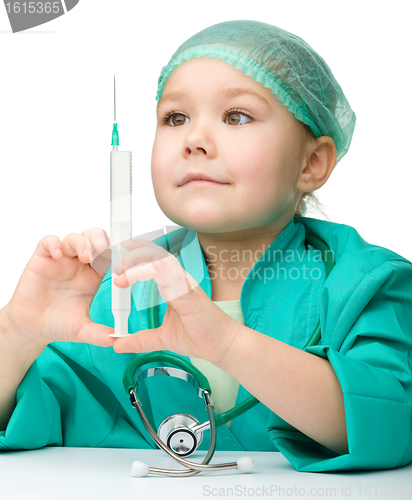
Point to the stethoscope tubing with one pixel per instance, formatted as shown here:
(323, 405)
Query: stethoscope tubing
(314, 339)
(222, 418)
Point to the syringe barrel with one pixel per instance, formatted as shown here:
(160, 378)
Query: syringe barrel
(120, 229)
(120, 196)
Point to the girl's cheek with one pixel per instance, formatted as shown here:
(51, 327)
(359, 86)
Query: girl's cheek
(161, 164)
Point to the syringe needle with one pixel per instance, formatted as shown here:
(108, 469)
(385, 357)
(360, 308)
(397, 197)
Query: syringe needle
(115, 133)
(114, 78)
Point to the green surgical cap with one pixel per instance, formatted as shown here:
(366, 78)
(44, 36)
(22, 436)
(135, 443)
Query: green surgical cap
(283, 62)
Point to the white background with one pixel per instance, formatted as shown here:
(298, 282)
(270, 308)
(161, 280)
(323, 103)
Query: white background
(56, 105)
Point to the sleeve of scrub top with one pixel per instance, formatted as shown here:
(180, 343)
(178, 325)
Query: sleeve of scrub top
(61, 400)
(65, 400)
(60, 403)
(373, 366)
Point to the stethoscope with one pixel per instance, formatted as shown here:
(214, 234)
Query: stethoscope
(179, 435)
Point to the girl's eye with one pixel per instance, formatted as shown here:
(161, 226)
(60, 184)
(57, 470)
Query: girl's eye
(234, 116)
(177, 118)
(233, 113)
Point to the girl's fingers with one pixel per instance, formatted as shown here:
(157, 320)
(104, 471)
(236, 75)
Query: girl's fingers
(89, 247)
(74, 245)
(96, 240)
(49, 246)
(141, 272)
(167, 273)
(98, 246)
(174, 281)
(96, 334)
(142, 341)
(146, 261)
(141, 255)
(133, 244)
(179, 282)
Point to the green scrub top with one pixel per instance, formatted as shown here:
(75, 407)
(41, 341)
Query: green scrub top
(73, 395)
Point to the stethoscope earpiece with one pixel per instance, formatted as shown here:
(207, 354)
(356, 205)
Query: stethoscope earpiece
(140, 469)
(245, 464)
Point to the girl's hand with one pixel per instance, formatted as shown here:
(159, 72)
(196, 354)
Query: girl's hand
(53, 296)
(193, 325)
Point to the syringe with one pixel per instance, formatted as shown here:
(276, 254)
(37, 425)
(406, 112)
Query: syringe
(120, 225)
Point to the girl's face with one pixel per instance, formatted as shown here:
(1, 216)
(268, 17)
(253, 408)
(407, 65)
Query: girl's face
(251, 145)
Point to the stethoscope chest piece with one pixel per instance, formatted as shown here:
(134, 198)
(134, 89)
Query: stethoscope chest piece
(176, 433)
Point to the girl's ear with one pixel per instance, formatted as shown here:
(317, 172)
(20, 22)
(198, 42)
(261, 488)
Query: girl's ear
(320, 160)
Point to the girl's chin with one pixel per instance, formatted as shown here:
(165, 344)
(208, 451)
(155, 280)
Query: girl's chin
(197, 214)
(202, 224)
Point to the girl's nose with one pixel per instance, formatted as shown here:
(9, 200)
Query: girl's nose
(202, 150)
(200, 140)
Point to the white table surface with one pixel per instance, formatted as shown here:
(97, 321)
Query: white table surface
(104, 473)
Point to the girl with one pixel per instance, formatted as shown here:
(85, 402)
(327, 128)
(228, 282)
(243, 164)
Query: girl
(251, 122)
